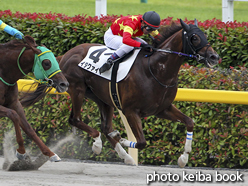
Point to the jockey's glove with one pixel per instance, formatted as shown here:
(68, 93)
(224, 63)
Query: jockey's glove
(147, 47)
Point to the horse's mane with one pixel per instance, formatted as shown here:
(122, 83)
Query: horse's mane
(15, 44)
(165, 32)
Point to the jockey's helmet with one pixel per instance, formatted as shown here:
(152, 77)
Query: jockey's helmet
(151, 19)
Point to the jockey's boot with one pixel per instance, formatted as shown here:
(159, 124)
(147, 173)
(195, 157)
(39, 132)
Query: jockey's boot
(106, 66)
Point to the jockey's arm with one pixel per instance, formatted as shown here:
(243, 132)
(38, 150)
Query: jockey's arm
(10, 30)
(127, 37)
(2, 25)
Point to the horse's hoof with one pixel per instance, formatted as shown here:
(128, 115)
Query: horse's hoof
(20, 156)
(55, 158)
(129, 160)
(183, 160)
(97, 145)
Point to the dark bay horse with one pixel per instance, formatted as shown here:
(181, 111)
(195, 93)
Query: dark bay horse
(17, 58)
(149, 88)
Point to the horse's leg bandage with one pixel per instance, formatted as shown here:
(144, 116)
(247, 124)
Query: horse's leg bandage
(97, 145)
(188, 143)
(183, 159)
(126, 143)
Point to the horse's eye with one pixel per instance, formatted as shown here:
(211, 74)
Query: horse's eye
(46, 64)
(194, 38)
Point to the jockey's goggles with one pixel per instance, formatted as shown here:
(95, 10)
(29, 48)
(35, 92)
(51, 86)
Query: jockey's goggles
(149, 29)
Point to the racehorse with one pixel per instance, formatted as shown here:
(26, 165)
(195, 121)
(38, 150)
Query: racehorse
(17, 58)
(148, 89)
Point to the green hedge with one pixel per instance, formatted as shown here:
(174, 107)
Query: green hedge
(220, 133)
(61, 33)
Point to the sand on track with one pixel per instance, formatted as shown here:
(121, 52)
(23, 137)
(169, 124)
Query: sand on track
(82, 173)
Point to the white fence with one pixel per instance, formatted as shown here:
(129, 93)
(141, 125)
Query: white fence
(227, 10)
(100, 8)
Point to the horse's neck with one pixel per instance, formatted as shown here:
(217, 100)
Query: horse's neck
(174, 42)
(9, 63)
(167, 65)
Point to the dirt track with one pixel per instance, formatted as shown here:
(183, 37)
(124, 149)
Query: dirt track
(75, 173)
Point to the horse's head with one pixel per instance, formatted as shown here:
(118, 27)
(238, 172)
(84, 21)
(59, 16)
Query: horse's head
(195, 42)
(46, 68)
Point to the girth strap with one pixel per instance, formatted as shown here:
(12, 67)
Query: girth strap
(114, 94)
(113, 86)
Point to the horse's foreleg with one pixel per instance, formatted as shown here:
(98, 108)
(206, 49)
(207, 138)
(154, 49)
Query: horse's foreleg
(77, 97)
(11, 114)
(176, 115)
(31, 133)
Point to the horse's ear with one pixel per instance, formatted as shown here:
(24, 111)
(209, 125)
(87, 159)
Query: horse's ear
(31, 42)
(196, 23)
(184, 25)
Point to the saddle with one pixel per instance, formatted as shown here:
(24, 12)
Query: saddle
(97, 56)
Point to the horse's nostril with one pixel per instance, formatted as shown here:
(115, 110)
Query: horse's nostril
(214, 57)
(64, 84)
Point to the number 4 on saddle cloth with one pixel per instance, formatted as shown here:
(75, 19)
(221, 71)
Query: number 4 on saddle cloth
(98, 55)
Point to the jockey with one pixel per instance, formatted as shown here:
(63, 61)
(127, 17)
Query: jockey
(122, 35)
(10, 30)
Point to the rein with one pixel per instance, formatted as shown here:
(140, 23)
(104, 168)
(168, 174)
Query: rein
(9, 84)
(197, 57)
(180, 54)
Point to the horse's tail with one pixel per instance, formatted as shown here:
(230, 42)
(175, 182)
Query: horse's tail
(30, 98)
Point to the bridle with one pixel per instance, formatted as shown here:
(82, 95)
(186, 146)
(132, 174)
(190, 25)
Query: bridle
(189, 50)
(38, 70)
(37, 67)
